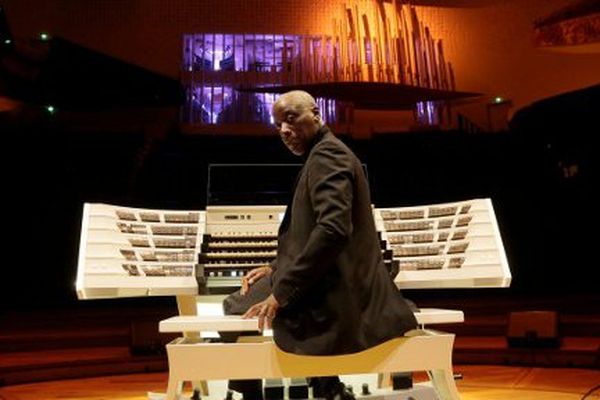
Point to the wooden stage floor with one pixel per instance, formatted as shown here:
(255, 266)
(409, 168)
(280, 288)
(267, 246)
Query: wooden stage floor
(479, 382)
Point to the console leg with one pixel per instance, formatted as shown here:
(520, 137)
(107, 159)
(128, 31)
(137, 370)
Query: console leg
(174, 388)
(443, 382)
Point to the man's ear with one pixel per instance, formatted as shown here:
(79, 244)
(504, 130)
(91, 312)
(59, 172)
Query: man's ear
(317, 114)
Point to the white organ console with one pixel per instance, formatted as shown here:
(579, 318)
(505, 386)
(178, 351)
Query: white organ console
(200, 256)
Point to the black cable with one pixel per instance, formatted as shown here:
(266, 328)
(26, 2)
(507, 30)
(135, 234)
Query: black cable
(592, 390)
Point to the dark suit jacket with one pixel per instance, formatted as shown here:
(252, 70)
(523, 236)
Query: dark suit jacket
(336, 295)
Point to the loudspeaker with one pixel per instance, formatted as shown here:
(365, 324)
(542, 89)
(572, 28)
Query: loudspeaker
(533, 329)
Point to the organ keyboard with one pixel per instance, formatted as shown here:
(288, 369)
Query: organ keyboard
(236, 240)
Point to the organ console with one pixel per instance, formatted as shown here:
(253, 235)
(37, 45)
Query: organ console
(127, 251)
(198, 255)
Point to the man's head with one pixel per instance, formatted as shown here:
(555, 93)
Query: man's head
(298, 119)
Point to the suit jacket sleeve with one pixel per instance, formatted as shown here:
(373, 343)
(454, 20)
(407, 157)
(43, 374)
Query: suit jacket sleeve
(330, 185)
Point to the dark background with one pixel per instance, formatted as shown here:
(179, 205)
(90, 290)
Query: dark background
(539, 175)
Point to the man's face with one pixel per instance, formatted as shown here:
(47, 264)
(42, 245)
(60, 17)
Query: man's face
(297, 123)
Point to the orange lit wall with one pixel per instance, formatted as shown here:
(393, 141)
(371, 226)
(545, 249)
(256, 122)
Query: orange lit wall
(149, 32)
(488, 42)
(491, 49)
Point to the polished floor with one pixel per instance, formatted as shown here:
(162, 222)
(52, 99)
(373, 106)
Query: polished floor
(477, 383)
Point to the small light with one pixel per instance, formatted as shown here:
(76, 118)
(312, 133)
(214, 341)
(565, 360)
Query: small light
(7, 41)
(44, 36)
(50, 109)
(498, 99)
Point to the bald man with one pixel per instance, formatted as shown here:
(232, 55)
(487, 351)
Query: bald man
(328, 291)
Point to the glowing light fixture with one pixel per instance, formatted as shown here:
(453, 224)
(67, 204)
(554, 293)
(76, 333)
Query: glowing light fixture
(498, 99)
(44, 36)
(50, 109)
(7, 41)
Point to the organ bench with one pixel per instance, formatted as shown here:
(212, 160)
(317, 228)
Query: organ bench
(191, 359)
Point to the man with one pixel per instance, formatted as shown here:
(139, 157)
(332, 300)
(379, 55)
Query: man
(328, 291)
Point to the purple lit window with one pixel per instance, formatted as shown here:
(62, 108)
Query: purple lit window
(428, 112)
(218, 64)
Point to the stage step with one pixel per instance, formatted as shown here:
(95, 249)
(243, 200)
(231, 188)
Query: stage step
(24, 367)
(119, 338)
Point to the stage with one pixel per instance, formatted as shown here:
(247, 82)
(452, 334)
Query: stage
(479, 382)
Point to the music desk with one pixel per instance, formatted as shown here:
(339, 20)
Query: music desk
(191, 359)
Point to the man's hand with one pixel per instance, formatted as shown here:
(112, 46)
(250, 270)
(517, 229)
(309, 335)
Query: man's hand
(265, 310)
(253, 276)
